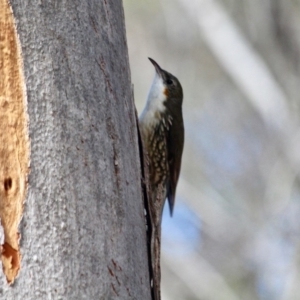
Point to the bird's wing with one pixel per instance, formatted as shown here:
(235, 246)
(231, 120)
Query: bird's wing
(175, 147)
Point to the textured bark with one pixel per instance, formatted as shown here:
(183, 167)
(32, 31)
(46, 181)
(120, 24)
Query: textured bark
(83, 233)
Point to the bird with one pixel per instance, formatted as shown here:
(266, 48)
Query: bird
(162, 132)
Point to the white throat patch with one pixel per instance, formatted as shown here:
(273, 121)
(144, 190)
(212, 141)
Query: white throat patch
(155, 100)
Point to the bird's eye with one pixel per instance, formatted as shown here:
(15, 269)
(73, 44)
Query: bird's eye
(169, 81)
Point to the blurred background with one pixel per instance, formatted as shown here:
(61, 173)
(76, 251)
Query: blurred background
(235, 233)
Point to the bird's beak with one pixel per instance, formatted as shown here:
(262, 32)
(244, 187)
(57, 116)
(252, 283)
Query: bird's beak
(158, 69)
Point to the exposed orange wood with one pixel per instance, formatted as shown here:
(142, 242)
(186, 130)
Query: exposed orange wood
(14, 141)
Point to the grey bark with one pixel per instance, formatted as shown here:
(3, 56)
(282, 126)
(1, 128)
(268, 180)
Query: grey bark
(83, 234)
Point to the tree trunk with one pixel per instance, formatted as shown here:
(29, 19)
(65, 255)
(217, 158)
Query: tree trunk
(83, 231)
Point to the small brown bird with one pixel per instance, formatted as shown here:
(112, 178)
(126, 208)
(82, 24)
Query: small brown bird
(162, 131)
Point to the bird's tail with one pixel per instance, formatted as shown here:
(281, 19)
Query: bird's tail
(155, 253)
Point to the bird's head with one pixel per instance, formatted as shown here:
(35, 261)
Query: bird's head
(166, 90)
